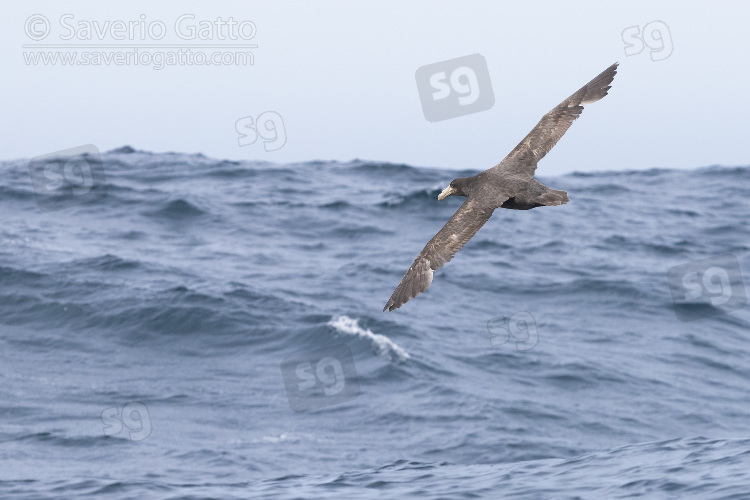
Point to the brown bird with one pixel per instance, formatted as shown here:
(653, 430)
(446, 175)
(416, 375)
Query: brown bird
(509, 184)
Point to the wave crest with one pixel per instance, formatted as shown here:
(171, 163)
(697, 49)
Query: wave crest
(384, 346)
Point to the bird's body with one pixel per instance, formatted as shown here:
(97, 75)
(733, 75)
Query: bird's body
(509, 184)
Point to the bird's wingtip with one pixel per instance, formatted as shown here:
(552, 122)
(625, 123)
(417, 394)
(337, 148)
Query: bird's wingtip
(391, 305)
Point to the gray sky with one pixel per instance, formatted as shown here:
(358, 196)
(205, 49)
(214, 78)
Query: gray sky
(341, 75)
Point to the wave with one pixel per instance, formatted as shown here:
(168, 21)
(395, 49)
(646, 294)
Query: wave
(384, 346)
(177, 210)
(195, 277)
(677, 468)
(417, 197)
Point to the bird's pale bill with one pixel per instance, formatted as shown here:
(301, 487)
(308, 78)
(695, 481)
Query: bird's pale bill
(446, 193)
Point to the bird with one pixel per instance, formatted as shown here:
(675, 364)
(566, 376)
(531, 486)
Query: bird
(509, 184)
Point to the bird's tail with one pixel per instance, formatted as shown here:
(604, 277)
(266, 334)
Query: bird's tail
(554, 197)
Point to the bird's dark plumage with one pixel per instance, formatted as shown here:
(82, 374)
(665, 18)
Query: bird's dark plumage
(509, 184)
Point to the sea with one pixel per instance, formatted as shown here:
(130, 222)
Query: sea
(175, 326)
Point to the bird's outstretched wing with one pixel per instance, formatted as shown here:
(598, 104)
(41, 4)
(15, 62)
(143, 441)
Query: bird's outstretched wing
(441, 248)
(542, 138)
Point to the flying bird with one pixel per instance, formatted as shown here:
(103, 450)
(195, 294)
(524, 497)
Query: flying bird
(509, 184)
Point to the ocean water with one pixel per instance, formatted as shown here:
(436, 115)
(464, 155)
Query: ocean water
(200, 328)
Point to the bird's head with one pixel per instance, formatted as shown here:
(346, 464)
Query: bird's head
(458, 187)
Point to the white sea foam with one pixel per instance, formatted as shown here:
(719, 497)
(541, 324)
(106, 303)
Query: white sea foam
(385, 346)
